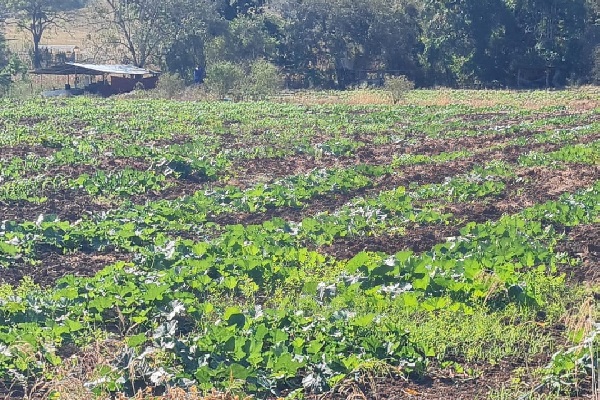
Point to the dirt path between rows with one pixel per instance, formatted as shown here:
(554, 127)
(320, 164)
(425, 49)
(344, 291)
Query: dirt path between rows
(420, 174)
(54, 266)
(531, 186)
(23, 150)
(582, 243)
(440, 384)
(540, 186)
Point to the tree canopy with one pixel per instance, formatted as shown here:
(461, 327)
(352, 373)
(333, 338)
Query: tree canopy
(37, 16)
(336, 43)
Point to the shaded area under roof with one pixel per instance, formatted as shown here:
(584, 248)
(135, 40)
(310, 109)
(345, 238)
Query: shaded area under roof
(92, 69)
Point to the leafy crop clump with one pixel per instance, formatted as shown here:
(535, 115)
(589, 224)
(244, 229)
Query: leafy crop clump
(279, 250)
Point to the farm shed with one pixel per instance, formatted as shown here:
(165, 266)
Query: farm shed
(115, 78)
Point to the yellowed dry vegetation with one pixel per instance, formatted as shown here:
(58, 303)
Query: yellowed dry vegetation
(76, 33)
(581, 99)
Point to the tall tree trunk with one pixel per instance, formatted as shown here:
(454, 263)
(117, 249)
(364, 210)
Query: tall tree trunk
(37, 58)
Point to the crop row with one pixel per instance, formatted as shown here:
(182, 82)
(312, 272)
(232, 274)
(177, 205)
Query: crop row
(162, 216)
(135, 227)
(235, 132)
(131, 118)
(149, 222)
(164, 304)
(127, 182)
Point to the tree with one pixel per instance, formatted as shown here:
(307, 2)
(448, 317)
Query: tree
(245, 39)
(590, 65)
(330, 40)
(37, 16)
(144, 30)
(231, 9)
(9, 66)
(466, 41)
(3, 49)
(552, 31)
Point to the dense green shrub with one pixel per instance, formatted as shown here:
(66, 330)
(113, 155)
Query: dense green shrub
(9, 70)
(264, 80)
(224, 78)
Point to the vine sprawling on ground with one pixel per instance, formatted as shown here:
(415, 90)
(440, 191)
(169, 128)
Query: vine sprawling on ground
(292, 250)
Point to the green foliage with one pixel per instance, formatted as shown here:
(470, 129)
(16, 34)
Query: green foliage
(552, 31)
(184, 55)
(332, 43)
(9, 69)
(169, 86)
(245, 39)
(3, 47)
(122, 183)
(325, 40)
(568, 367)
(224, 78)
(212, 300)
(466, 42)
(398, 87)
(264, 80)
(596, 66)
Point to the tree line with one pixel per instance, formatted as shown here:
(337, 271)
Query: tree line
(338, 43)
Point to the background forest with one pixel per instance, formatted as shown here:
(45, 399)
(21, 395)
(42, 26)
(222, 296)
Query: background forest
(334, 43)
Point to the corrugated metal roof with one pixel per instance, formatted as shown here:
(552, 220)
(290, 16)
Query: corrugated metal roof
(92, 69)
(114, 68)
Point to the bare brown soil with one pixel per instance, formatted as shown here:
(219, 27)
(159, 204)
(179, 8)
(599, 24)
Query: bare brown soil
(249, 171)
(71, 205)
(537, 189)
(22, 150)
(539, 186)
(548, 184)
(330, 202)
(54, 266)
(68, 205)
(445, 384)
(107, 164)
(582, 243)
(507, 116)
(421, 174)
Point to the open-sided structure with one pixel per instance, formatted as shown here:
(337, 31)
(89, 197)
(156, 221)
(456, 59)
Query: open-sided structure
(114, 78)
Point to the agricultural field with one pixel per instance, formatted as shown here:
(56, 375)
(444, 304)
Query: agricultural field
(437, 249)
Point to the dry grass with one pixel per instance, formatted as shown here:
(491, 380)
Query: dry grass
(182, 394)
(580, 322)
(76, 35)
(70, 378)
(351, 97)
(578, 99)
(75, 32)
